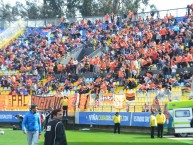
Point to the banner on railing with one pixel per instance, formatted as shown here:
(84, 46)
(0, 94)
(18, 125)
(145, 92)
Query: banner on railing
(14, 102)
(119, 101)
(84, 102)
(9, 116)
(106, 102)
(94, 100)
(72, 101)
(44, 103)
(130, 96)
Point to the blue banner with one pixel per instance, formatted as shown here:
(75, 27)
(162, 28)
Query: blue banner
(140, 119)
(9, 116)
(102, 118)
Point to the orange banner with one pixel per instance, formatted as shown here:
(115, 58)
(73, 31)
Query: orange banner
(44, 102)
(106, 99)
(84, 102)
(130, 96)
(14, 102)
(72, 102)
(2, 102)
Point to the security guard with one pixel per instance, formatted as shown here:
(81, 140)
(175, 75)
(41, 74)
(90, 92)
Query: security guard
(161, 118)
(117, 121)
(153, 123)
(65, 106)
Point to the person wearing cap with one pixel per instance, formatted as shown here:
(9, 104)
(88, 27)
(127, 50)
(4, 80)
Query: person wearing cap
(153, 123)
(161, 118)
(117, 121)
(31, 125)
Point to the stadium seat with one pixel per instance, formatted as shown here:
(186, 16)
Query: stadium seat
(87, 80)
(5, 88)
(54, 92)
(65, 92)
(50, 93)
(7, 92)
(72, 92)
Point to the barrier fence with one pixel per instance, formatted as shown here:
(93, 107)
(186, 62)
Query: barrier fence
(105, 118)
(178, 12)
(132, 101)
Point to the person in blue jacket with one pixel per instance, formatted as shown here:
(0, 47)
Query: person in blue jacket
(31, 125)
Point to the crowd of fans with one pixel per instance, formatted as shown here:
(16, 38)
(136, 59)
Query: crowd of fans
(130, 48)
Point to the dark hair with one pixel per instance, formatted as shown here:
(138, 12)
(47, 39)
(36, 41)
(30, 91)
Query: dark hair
(54, 112)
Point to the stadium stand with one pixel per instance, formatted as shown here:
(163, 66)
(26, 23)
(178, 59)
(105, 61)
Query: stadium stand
(136, 55)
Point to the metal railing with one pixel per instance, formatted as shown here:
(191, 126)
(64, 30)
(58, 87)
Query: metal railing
(178, 12)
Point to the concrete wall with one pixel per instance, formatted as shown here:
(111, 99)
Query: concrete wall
(74, 55)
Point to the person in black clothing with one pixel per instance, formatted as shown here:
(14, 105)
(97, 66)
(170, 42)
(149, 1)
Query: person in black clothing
(20, 118)
(48, 116)
(188, 8)
(191, 123)
(55, 132)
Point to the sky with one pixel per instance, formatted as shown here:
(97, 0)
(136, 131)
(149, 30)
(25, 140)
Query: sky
(170, 4)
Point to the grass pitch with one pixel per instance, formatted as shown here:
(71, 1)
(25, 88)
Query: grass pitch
(94, 138)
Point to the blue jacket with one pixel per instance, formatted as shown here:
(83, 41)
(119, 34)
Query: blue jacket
(31, 122)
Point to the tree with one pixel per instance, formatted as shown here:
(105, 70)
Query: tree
(72, 7)
(52, 8)
(89, 8)
(5, 11)
(101, 7)
(33, 11)
(57, 8)
(19, 11)
(105, 7)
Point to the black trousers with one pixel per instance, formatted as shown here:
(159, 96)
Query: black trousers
(160, 128)
(65, 111)
(152, 131)
(117, 126)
